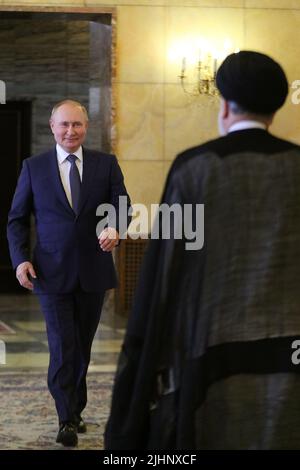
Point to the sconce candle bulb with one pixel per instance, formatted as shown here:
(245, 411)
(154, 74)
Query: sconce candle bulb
(183, 67)
(205, 68)
(215, 67)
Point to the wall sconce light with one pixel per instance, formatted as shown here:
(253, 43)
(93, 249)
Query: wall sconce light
(198, 77)
(205, 71)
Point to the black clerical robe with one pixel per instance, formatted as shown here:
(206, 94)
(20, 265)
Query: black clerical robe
(207, 360)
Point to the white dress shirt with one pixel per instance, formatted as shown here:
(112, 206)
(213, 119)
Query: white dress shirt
(64, 168)
(247, 124)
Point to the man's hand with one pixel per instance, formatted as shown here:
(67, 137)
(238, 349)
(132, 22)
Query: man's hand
(108, 239)
(22, 272)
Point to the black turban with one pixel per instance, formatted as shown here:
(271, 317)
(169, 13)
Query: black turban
(254, 81)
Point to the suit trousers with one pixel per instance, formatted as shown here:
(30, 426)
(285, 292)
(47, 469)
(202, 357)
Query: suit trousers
(71, 322)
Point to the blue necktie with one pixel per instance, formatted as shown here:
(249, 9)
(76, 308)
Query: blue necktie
(75, 182)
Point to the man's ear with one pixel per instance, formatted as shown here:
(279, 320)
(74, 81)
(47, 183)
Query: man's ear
(224, 109)
(51, 125)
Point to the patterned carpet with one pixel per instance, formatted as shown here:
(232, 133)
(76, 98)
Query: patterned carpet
(28, 416)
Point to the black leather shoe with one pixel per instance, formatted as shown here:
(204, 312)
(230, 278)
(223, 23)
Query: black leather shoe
(80, 425)
(67, 435)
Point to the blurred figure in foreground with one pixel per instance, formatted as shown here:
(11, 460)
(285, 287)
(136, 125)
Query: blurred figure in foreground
(209, 360)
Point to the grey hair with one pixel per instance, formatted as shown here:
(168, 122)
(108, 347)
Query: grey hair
(74, 103)
(236, 108)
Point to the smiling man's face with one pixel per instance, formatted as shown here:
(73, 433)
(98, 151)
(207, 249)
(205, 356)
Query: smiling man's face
(69, 127)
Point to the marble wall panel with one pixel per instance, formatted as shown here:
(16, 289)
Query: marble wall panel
(100, 76)
(51, 34)
(47, 61)
(100, 118)
(100, 60)
(7, 56)
(141, 45)
(140, 121)
(206, 3)
(144, 180)
(53, 3)
(146, 3)
(272, 4)
(189, 121)
(276, 32)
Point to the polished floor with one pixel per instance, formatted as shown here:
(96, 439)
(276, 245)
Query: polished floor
(28, 417)
(22, 329)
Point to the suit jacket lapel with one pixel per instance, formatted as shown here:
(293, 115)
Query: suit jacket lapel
(55, 177)
(88, 173)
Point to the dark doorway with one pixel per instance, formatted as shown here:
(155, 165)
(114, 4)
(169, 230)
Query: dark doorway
(45, 57)
(15, 125)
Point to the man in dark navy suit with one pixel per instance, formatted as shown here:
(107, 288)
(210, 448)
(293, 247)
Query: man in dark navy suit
(71, 267)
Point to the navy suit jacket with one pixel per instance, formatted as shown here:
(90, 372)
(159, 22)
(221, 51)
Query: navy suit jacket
(67, 248)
